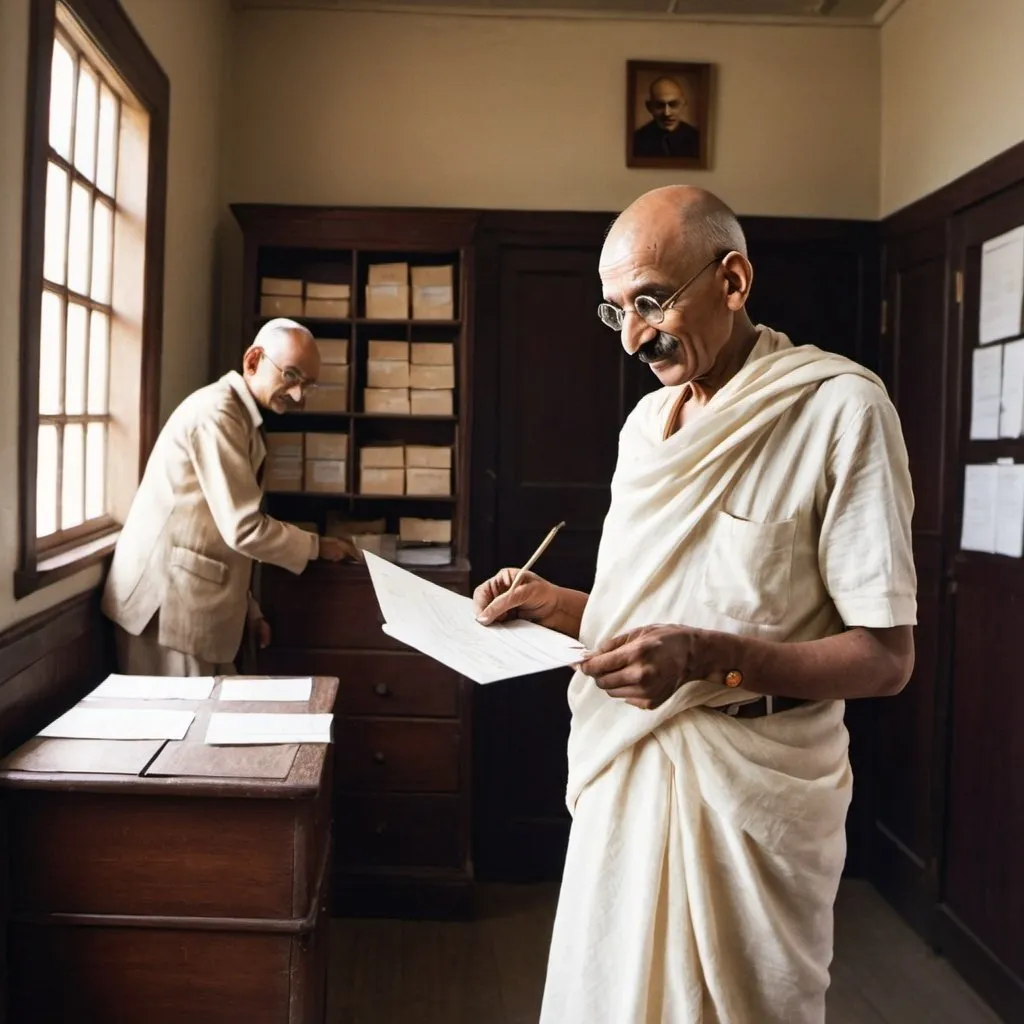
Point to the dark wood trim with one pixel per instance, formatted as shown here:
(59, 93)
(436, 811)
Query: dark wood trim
(30, 640)
(113, 33)
(28, 581)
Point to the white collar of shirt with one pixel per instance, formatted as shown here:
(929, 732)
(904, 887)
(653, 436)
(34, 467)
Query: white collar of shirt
(237, 382)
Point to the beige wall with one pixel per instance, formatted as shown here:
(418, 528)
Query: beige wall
(189, 39)
(952, 92)
(527, 113)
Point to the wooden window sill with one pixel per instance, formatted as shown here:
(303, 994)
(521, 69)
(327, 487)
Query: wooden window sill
(66, 562)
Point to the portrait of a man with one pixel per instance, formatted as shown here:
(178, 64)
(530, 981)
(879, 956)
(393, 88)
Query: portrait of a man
(667, 115)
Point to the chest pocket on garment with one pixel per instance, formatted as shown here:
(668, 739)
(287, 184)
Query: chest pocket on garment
(748, 570)
(205, 568)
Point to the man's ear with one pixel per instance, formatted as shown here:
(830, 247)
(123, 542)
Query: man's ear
(739, 277)
(251, 359)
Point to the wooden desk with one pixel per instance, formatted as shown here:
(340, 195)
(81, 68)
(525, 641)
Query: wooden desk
(170, 899)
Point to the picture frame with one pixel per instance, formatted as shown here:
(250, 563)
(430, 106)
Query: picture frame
(668, 114)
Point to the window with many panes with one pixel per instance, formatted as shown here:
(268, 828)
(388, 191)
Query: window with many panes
(97, 150)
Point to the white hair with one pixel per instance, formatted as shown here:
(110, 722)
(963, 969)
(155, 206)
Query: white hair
(279, 325)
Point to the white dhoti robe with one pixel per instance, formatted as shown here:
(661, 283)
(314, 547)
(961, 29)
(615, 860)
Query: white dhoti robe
(706, 850)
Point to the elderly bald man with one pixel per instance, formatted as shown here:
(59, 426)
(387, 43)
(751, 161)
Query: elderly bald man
(178, 589)
(755, 571)
(669, 133)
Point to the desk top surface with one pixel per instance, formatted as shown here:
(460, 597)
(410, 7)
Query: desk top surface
(302, 781)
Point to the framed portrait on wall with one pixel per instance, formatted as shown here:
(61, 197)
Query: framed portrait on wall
(668, 114)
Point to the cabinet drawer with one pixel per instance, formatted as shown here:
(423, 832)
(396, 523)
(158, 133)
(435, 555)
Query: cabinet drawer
(407, 757)
(375, 682)
(400, 831)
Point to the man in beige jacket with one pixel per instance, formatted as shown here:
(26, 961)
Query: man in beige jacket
(178, 588)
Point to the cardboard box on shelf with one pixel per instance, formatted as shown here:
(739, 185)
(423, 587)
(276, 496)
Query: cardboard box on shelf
(325, 476)
(327, 398)
(384, 545)
(280, 286)
(334, 373)
(424, 555)
(431, 403)
(326, 446)
(333, 350)
(428, 456)
(387, 373)
(326, 309)
(282, 474)
(386, 401)
(378, 351)
(428, 482)
(387, 302)
(381, 481)
(382, 456)
(321, 290)
(337, 525)
(284, 445)
(433, 296)
(433, 353)
(388, 273)
(425, 531)
(432, 378)
(281, 305)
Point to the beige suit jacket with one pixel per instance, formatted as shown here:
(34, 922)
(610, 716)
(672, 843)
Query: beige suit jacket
(195, 526)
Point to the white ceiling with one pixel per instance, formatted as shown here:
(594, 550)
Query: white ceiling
(828, 11)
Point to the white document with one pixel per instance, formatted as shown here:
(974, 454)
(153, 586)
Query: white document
(229, 728)
(82, 723)
(986, 393)
(1011, 417)
(443, 626)
(155, 687)
(266, 689)
(981, 485)
(1009, 511)
(1002, 287)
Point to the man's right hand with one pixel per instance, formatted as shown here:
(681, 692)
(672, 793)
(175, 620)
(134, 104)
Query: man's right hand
(338, 549)
(534, 599)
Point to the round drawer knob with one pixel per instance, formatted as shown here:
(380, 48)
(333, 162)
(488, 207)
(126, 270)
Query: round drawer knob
(382, 690)
(378, 756)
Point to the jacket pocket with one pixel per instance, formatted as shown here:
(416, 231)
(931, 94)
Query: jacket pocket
(199, 565)
(747, 574)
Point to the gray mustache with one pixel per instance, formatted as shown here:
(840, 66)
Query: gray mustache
(657, 348)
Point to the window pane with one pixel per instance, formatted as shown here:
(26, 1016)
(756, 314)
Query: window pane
(78, 239)
(99, 345)
(74, 356)
(102, 251)
(106, 155)
(51, 360)
(46, 481)
(56, 223)
(73, 479)
(85, 121)
(95, 469)
(62, 98)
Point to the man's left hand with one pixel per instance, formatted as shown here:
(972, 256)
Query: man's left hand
(645, 666)
(262, 633)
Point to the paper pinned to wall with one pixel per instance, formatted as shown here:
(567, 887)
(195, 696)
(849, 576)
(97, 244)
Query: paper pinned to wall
(981, 484)
(1011, 417)
(1002, 287)
(986, 393)
(1009, 533)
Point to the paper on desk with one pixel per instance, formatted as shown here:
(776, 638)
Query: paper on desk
(1002, 287)
(155, 687)
(120, 724)
(266, 689)
(1009, 532)
(236, 727)
(443, 626)
(981, 484)
(986, 393)
(1011, 419)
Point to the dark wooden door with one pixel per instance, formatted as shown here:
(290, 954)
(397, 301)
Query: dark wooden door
(908, 742)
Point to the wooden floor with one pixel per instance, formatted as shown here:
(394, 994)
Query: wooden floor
(492, 970)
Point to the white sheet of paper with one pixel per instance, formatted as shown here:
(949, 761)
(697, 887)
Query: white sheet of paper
(1011, 417)
(233, 728)
(1002, 287)
(266, 689)
(155, 687)
(81, 723)
(443, 626)
(981, 484)
(986, 393)
(1010, 511)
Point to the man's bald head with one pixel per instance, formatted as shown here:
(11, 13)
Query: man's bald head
(280, 364)
(667, 103)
